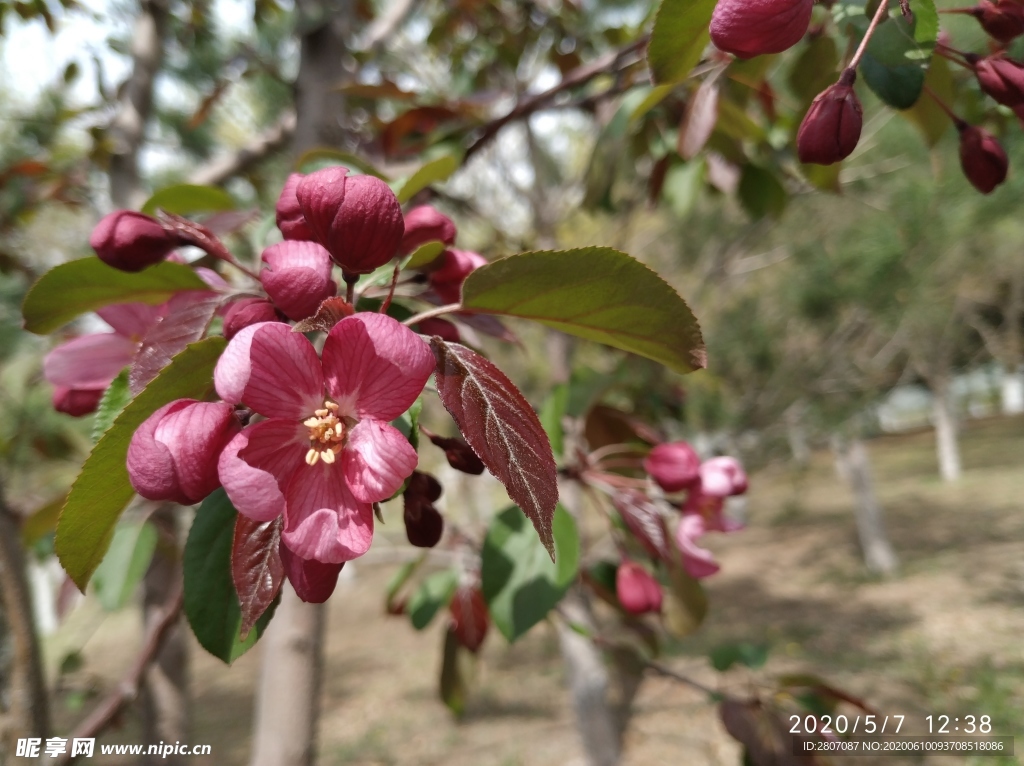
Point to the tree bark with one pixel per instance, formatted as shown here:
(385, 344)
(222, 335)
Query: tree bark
(852, 462)
(946, 442)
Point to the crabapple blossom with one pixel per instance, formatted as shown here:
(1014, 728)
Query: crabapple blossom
(288, 211)
(297, 277)
(675, 466)
(1001, 78)
(426, 224)
(313, 581)
(131, 241)
(722, 477)
(748, 28)
(326, 451)
(636, 590)
(983, 160)
(455, 266)
(698, 562)
(831, 128)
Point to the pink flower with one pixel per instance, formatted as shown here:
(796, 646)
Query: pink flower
(722, 477)
(637, 591)
(358, 218)
(289, 211)
(697, 561)
(455, 266)
(327, 451)
(426, 224)
(675, 466)
(313, 581)
(173, 454)
(131, 241)
(712, 509)
(297, 277)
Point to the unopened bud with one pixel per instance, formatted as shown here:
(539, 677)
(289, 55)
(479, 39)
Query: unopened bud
(76, 401)
(131, 241)
(470, 619)
(983, 160)
(1001, 79)
(637, 591)
(442, 328)
(748, 28)
(246, 311)
(425, 224)
(831, 128)
(1001, 19)
(297, 277)
(423, 524)
(460, 455)
(289, 212)
(675, 466)
(455, 266)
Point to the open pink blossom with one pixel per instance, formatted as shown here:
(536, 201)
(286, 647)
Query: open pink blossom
(327, 450)
(636, 590)
(697, 561)
(675, 466)
(722, 477)
(455, 266)
(297, 277)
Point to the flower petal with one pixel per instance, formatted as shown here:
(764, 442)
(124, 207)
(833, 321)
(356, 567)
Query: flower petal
(374, 366)
(89, 361)
(195, 435)
(150, 463)
(323, 520)
(697, 561)
(376, 460)
(233, 369)
(132, 319)
(257, 465)
(313, 581)
(297, 277)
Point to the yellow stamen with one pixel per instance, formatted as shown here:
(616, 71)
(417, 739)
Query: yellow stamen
(312, 456)
(328, 456)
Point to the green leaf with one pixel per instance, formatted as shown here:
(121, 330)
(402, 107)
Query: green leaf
(102, 489)
(551, 414)
(815, 68)
(435, 592)
(519, 581)
(596, 293)
(685, 605)
(452, 685)
(725, 656)
(761, 193)
(189, 199)
(678, 39)
(433, 172)
(653, 97)
(408, 423)
(683, 185)
(398, 581)
(211, 603)
(930, 118)
(126, 562)
(114, 400)
(73, 288)
(425, 254)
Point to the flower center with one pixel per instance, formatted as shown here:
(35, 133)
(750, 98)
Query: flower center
(326, 434)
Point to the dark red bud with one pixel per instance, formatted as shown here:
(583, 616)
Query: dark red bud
(313, 581)
(247, 311)
(76, 401)
(470, 619)
(831, 128)
(357, 218)
(638, 592)
(423, 524)
(131, 241)
(425, 224)
(983, 160)
(455, 266)
(289, 212)
(748, 28)
(442, 328)
(675, 466)
(1001, 19)
(460, 455)
(1001, 79)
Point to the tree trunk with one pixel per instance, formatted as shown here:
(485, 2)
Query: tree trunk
(1011, 391)
(852, 462)
(946, 443)
(796, 435)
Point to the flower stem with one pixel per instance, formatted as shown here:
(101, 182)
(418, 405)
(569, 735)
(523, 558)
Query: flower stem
(960, 124)
(391, 290)
(449, 308)
(875, 21)
(350, 286)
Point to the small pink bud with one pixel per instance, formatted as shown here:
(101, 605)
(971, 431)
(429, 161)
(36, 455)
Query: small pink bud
(131, 241)
(313, 581)
(722, 477)
(1001, 79)
(983, 160)
(470, 619)
(298, 277)
(748, 28)
(674, 466)
(425, 224)
(455, 266)
(289, 211)
(246, 311)
(423, 524)
(76, 401)
(637, 591)
(357, 218)
(173, 454)
(442, 328)
(831, 128)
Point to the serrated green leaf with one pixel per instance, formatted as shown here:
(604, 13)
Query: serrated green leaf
(678, 39)
(114, 400)
(211, 603)
(432, 172)
(596, 293)
(73, 288)
(189, 199)
(434, 593)
(425, 254)
(102, 490)
(519, 581)
(125, 563)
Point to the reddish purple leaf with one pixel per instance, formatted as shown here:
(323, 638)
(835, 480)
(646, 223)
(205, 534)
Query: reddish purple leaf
(190, 314)
(699, 120)
(502, 429)
(470, 620)
(256, 567)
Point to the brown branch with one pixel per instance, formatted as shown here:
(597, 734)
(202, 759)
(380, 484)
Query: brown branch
(238, 162)
(128, 689)
(581, 75)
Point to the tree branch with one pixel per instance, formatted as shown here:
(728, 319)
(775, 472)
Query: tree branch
(235, 163)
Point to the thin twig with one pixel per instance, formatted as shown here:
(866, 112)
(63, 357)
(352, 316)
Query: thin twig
(449, 308)
(875, 21)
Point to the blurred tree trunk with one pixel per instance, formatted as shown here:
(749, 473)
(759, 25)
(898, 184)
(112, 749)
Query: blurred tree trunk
(288, 694)
(1011, 390)
(25, 710)
(796, 434)
(852, 463)
(947, 445)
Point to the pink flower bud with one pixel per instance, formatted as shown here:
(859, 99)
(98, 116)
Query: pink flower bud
(423, 524)
(748, 28)
(357, 218)
(1002, 79)
(674, 466)
(173, 454)
(298, 277)
(982, 158)
(131, 241)
(247, 311)
(76, 401)
(442, 328)
(722, 477)
(455, 266)
(425, 224)
(470, 619)
(289, 211)
(313, 581)
(831, 128)
(637, 591)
